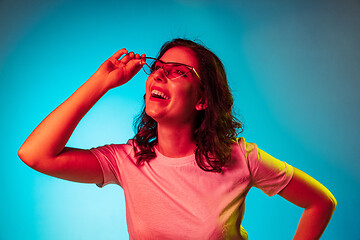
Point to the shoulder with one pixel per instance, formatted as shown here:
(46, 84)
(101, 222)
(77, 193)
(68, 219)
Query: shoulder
(114, 150)
(240, 146)
(241, 151)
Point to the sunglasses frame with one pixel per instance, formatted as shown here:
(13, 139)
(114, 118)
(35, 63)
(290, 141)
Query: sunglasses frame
(164, 63)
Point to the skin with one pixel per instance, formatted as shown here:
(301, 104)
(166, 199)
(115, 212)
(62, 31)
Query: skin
(175, 116)
(44, 150)
(318, 203)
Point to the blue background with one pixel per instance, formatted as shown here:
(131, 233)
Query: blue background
(293, 67)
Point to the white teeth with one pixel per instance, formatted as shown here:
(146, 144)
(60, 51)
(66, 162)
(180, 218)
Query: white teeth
(158, 93)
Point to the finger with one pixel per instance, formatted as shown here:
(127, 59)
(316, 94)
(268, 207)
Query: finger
(137, 56)
(142, 59)
(134, 65)
(119, 53)
(127, 58)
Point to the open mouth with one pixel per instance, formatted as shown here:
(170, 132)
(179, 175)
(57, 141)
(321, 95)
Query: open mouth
(159, 95)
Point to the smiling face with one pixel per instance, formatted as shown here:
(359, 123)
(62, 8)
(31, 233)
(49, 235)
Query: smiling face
(174, 101)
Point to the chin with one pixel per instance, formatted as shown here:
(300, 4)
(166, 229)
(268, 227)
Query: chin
(152, 113)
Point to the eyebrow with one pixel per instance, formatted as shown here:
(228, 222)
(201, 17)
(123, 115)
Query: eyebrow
(176, 63)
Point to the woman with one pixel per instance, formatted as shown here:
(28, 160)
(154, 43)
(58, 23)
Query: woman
(185, 175)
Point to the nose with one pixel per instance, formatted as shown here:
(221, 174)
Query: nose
(159, 75)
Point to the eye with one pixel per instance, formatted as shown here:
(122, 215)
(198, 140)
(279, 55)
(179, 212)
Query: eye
(179, 72)
(157, 67)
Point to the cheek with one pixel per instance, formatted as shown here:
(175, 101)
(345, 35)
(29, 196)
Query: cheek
(147, 86)
(192, 91)
(187, 95)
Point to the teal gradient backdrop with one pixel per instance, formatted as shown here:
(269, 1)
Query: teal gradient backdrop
(293, 67)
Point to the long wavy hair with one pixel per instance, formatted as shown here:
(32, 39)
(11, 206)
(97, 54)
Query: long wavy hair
(216, 128)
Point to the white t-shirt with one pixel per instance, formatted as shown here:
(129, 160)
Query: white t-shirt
(173, 198)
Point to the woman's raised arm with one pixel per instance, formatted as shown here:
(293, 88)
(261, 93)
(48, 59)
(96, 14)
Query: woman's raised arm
(44, 150)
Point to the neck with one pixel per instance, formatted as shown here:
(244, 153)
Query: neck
(175, 141)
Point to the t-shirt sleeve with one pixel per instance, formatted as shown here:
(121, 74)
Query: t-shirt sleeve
(109, 162)
(268, 173)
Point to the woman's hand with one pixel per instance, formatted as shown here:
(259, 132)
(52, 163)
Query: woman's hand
(116, 72)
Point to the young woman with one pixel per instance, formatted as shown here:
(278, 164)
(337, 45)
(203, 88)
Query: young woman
(185, 174)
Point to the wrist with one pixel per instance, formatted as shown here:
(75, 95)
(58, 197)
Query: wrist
(99, 83)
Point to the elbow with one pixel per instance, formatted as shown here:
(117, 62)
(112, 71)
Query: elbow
(328, 204)
(25, 156)
(333, 203)
(22, 155)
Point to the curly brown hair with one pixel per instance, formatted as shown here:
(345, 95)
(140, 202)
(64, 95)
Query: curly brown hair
(216, 128)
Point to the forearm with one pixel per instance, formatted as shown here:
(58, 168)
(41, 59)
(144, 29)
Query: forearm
(50, 137)
(318, 202)
(314, 221)
(48, 140)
